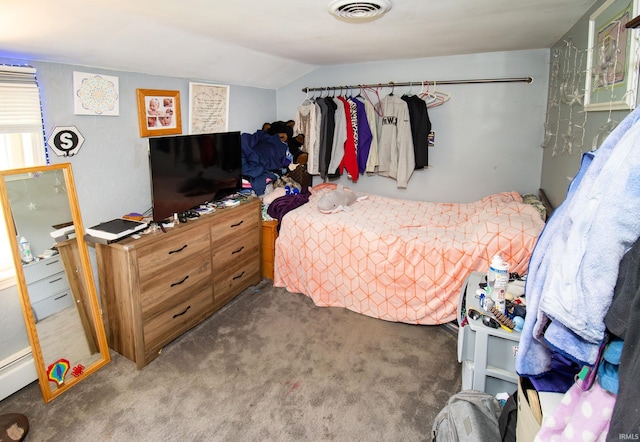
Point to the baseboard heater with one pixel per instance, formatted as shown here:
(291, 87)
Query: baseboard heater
(16, 372)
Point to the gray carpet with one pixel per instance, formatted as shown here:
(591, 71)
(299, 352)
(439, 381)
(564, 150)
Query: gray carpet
(270, 366)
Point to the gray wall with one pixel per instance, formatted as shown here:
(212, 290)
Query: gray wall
(111, 170)
(559, 168)
(488, 136)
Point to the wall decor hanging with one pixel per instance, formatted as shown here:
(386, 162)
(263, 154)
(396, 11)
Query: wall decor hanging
(208, 108)
(159, 112)
(564, 127)
(612, 59)
(95, 94)
(65, 141)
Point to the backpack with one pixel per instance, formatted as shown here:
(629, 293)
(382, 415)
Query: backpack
(470, 415)
(508, 419)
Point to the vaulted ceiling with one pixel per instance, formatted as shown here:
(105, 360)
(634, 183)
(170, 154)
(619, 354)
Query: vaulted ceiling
(268, 43)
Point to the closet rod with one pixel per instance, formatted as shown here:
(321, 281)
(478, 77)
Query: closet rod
(419, 83)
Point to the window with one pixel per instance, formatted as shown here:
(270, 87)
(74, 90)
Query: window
(21, 138)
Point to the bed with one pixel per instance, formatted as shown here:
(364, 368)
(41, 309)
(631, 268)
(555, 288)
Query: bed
(400, 260)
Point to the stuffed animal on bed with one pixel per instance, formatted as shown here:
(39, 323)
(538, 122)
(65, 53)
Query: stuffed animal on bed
(338, 200)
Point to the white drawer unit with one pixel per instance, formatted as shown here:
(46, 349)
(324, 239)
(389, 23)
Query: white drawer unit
(488, 355)
(38, 270)
(48, 287)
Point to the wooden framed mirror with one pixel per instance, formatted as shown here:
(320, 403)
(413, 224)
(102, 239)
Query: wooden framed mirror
(55, 281)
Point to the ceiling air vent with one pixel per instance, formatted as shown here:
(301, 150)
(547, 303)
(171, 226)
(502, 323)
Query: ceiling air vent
(350, 10)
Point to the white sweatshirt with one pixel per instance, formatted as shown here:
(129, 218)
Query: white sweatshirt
(395, 145)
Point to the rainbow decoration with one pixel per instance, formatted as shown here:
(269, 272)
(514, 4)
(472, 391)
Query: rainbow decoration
(58, 370)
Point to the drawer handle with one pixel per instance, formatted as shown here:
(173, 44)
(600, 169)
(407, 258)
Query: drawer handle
(55, 280)
(180, 282)
(52, 262)
(60, 297)
(236, 225)
(237, 251)
(179, 250)
(180, 314)
(239, 276)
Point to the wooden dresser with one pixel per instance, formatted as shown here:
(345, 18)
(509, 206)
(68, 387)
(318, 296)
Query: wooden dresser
(155, 288)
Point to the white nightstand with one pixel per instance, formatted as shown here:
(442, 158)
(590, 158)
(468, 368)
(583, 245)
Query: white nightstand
(48, 286)
(487, 354)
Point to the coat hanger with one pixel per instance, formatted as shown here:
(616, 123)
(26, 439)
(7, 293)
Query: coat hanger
(426, 94)
(307, 99)
(440, 97)
(421, 90)
(433, 97)
(410, 91)
(376, 106)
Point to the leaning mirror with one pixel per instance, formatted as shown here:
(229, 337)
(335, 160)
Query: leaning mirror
(53, 274)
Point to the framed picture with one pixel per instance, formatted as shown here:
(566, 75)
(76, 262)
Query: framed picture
(95, 94)
(612, 61)
(159, 112)
(208, 108)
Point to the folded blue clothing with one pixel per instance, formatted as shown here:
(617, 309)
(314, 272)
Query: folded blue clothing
(608, 376)
(613, 351)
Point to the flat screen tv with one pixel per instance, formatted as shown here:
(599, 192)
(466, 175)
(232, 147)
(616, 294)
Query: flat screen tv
(190, 170)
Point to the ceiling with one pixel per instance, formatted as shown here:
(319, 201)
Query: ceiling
(268, 43)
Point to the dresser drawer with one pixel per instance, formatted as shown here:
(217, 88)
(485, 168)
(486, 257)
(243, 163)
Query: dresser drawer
(42, 269)
(232, 279)
(177, 283)
(170, 324)
(153, 260)
(228, 252)
(45, 287)
(52, 304)
(236, 223)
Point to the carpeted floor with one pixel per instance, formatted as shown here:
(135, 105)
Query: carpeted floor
(270, 366)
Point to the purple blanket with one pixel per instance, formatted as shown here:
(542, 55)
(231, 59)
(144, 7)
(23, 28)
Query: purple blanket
(283, 205)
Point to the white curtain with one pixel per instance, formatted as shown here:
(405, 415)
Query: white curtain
(21, 138)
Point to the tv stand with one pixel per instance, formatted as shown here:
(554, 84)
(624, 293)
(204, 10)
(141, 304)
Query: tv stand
(155, 288)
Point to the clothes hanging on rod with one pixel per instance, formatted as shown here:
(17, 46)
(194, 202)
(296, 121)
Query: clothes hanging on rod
(305, 123)
(396, 157)
(406, 83)
(420, 129)
(352, 137)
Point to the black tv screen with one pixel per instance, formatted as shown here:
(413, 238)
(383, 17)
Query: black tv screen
(190, 170)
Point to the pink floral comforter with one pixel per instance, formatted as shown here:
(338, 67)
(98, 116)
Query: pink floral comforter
(400, 260)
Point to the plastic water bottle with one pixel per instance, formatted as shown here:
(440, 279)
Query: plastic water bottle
(25, 250)
(491, 274)
(497, 281)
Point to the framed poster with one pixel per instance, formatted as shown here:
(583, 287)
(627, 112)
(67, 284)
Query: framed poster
(612, 61)
(95, 94)
(208, 108)
(159, 112)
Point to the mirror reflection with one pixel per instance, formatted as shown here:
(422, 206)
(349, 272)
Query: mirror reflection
(58, 291)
